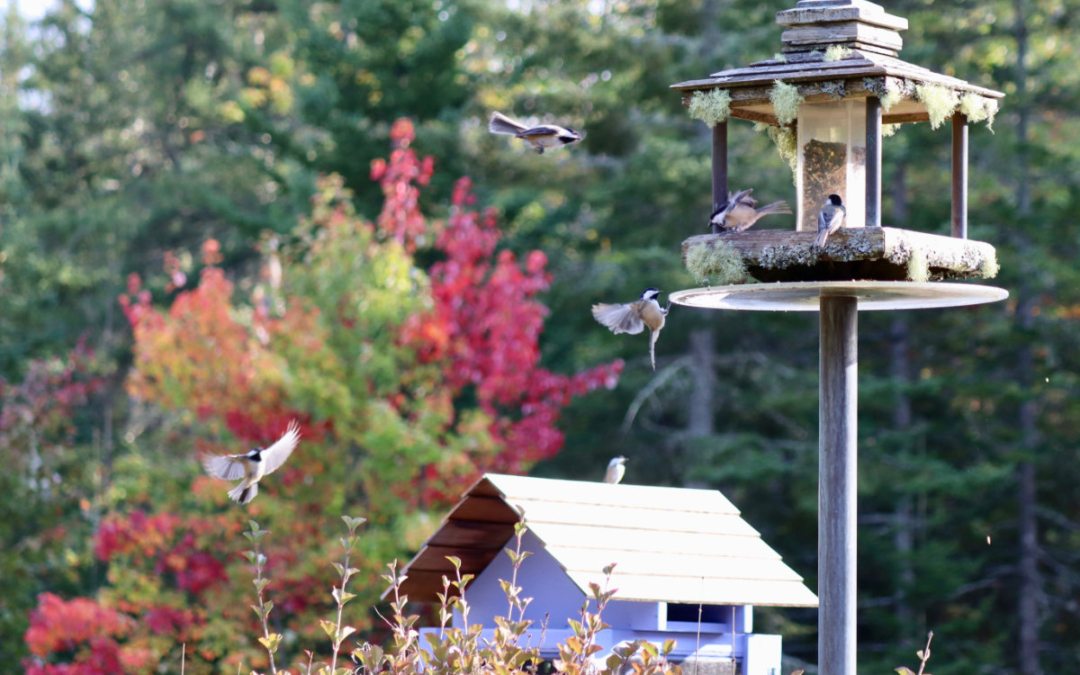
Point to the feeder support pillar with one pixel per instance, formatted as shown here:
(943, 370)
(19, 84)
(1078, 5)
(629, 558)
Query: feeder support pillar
(837, 482)
(873, 161)
(959, 175)
(719, 166)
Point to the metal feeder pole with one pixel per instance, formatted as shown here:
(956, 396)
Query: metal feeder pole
(837, 482)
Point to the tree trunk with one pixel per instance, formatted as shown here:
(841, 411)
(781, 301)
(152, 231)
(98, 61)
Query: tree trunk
(1030, 582)
(904, 521)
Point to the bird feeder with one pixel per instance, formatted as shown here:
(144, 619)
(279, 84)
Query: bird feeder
(826, 99)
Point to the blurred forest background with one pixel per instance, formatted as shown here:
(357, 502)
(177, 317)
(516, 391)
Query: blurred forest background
(219, 215)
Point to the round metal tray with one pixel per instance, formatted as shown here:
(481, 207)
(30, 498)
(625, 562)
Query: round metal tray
(881, 296)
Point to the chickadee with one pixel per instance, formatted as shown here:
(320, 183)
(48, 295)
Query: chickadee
(633, 317)
(540, 137)
(741, 212)
(829, 219)
(253, 465)
(615, 470)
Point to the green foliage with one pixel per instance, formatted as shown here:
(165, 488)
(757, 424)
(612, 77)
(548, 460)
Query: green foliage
(924, 656)
(270, 641)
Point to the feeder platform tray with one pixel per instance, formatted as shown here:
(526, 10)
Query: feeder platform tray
(870, 295)
(862, 253)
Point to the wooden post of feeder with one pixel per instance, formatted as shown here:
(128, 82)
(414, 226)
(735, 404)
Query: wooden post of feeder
(719, 167)
(959, 175)
(873, 161)
(837, 481)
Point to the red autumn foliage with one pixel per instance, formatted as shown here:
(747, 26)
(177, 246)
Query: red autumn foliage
(57, 625)
(492, 324)
(134, 534)
(199, 356)
(167, 540)
(486, 325)
(89, 631)
(400, 217)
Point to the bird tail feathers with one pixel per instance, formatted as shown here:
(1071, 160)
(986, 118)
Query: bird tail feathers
(776, 207)
(822, 235)
(501, 124)
(242, 494)
(652, 347)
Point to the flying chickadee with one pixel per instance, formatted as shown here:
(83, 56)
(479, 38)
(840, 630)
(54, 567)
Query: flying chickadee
(741, 212)
(540, 137)
(253, 465)
(633, 317)
(616, 468)
(829, 219)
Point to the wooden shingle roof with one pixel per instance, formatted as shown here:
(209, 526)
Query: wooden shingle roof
(859, 74)
(866, 42)
(670, 544)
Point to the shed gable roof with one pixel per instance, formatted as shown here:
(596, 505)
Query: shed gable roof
(670, 544)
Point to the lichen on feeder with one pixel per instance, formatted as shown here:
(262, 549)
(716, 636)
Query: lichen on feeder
(715, 262)
(979, 109)
(836, 53)
(871, 253)
(786, 100)
(940, 102)
(710, 107)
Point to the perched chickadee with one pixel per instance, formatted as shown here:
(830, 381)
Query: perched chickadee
(633, 317)
(615, 470)
(741, 212)
(829, 219)
(253, 465)
(540, 137)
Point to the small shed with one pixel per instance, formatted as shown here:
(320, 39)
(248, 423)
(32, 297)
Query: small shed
(677, 551)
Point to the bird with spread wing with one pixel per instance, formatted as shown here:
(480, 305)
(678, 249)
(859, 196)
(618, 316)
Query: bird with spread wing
(253, 465)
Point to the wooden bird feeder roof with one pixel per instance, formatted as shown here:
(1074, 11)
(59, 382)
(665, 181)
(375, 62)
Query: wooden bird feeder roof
(669, 544)
(869, 66)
